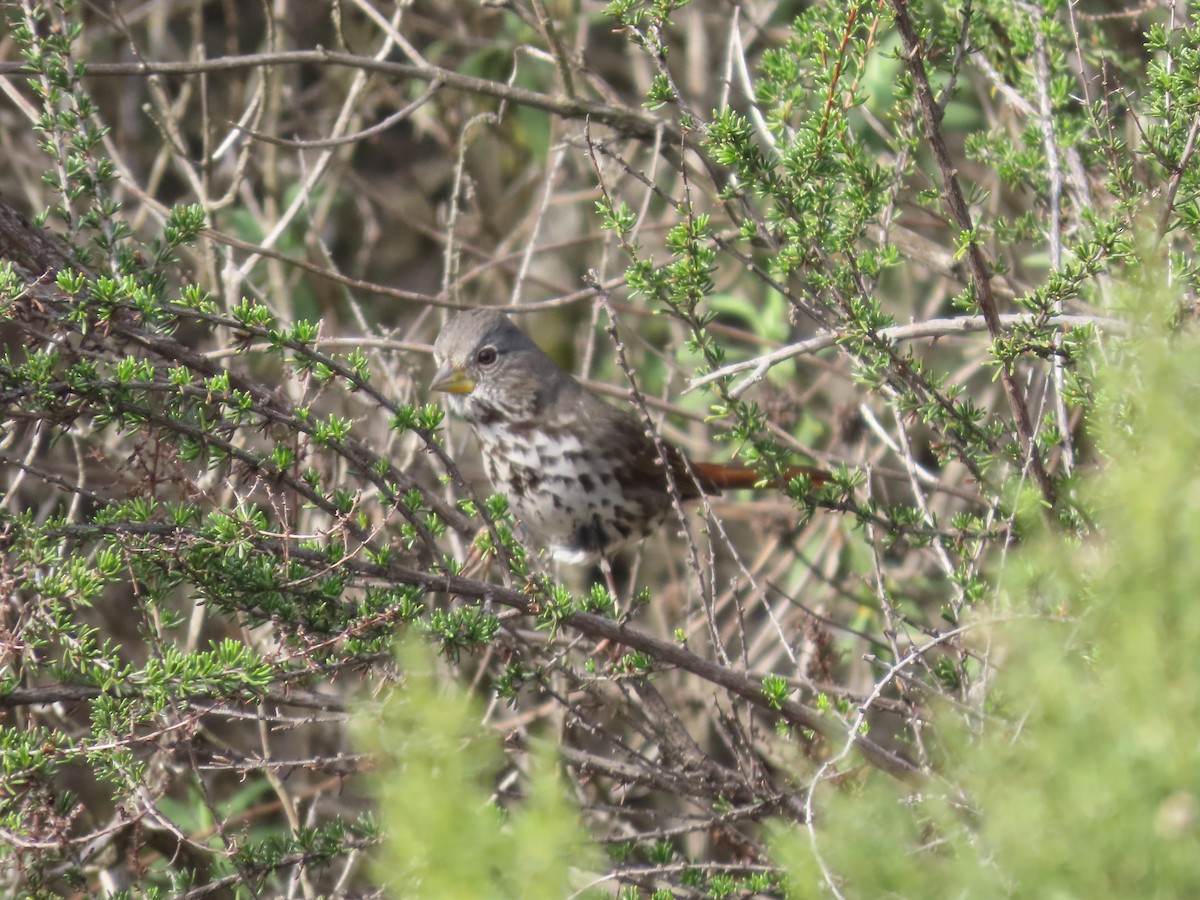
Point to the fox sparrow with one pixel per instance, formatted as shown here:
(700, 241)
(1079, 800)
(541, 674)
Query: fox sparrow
(582, 476)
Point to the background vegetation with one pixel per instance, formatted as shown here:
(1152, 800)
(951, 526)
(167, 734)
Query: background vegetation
(947, 250)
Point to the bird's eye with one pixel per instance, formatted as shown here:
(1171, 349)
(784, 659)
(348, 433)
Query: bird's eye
(486, 356)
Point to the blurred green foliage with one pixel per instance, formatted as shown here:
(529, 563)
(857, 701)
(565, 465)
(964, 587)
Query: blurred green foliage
(447, 833)
(1081, 778)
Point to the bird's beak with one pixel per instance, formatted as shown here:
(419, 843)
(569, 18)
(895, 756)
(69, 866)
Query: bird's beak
(452, 380)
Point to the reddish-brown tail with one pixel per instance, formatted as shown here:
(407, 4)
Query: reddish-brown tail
(717, 477)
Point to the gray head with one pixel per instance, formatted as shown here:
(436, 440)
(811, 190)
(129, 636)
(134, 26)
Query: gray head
(490, 368)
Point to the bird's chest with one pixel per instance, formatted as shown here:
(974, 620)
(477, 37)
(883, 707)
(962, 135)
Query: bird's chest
(554, 481)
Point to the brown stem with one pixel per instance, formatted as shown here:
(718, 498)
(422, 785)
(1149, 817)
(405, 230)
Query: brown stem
(977, 263)
(633, 123)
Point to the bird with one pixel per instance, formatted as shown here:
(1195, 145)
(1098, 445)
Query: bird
(583, 477)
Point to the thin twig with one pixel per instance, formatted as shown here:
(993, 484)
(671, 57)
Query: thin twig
(935, 328)
(978, 264)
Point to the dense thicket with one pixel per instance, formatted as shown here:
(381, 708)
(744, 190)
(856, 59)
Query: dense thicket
(945, 250)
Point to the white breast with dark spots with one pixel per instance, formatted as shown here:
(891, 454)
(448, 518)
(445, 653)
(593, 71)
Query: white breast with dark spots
(564, 492)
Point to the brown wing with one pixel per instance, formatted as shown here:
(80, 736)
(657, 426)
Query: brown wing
(621, 434)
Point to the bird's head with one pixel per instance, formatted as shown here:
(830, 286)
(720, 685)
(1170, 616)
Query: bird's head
(490, 368)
